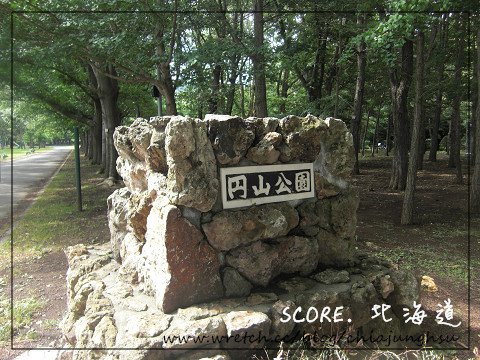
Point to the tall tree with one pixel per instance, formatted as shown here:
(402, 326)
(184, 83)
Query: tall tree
(164, 53)
(282, 89)
(359, 93)
(96, 129)
(408, 203)
(365, 132)
(375, 133)
(258, 61)
(422, 140)
(475, 184)
(439, 93)
(108, 91)
(400, 81)
(454, 133)
(236, 33)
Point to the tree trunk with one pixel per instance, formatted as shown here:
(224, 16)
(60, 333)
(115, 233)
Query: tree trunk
(234, 61)
(312, 78)
(84, 143)
(435, 141)
(213, 101)
(108, 95)
(231, 88)
(97, 123)
(337, 93)
(408, 201)
(421, 150)
(103, 167)
(400, 85)
(165, 83)
(358, 101)
(251, 104)
(474, 95)
(284, 91)
(475, 185)
(454, 133)
(332, 73)
(387, 140)
(365, 131)
(337, 79)
(258, 61)
(167, 89)
(375, 134)
(451, 138)
(84, 146)
(242, 100)
(97, 133)
(473, 125)
(315, 83)
(89, 138)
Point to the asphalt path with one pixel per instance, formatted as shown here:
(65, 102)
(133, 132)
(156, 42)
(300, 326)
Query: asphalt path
(30, 174)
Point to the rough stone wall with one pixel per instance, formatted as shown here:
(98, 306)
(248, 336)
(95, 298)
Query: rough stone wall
(178, 265)
(108, 317)
(168, 228)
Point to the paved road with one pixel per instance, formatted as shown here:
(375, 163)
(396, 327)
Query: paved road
(30, 173)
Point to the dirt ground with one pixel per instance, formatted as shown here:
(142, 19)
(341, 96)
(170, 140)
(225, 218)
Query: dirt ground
(434, 245)
(441, 231)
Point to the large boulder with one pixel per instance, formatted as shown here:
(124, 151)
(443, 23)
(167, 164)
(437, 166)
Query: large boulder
(302, 138)
(230, 229)
(192, 172)
(230, 138)
(265, 152)
(260, 262)
(181, 269)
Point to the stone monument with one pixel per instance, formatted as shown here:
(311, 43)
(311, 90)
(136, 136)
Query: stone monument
(223, 224)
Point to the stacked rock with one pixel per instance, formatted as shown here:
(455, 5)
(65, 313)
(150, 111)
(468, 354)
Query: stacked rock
(192, 273)
(171, 233)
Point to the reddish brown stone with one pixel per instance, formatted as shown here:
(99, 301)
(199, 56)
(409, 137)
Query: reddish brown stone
(184, 269)
(260, 262)
(231, 229)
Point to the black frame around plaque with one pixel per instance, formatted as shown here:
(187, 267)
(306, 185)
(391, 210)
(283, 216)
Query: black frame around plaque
(266, 184)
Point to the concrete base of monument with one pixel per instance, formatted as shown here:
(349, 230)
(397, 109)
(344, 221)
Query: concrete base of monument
(108, 312)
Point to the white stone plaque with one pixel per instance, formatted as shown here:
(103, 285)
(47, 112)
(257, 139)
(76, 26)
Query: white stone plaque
(254, 185)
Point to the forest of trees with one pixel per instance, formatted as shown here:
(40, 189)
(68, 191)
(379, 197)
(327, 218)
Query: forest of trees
(403, 74)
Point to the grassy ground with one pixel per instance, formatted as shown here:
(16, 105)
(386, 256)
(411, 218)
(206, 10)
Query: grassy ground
(54, 222)
(23, 312)
(50, 225)
(19, 153)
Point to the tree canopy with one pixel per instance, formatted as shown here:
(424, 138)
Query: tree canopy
(95, 64)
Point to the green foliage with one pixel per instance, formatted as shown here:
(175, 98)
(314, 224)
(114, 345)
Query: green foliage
(52, 50)
(4, 130)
